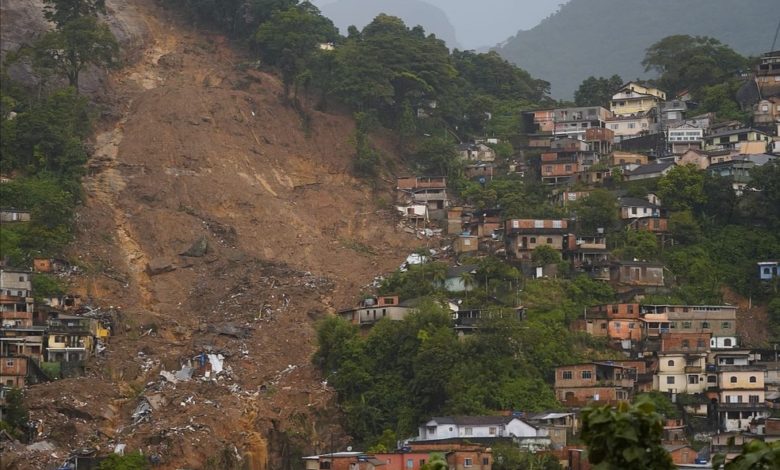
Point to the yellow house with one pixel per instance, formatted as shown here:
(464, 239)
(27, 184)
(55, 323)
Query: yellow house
(635, 98)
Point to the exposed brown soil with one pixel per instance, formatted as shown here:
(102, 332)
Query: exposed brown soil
(200, 147)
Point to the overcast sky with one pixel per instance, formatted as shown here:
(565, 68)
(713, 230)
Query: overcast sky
(485, 23)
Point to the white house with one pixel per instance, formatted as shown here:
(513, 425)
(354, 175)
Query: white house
(452, 427)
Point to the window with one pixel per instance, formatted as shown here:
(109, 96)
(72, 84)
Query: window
(686, 343)
(409, 463)
(752, 379)
(631, 125)
(617, 325)
(586, 374)
(468, 431)
(670, 380)
(700, 343)
(753, 398)
(686, 324)
(533, 240)
(733, 379)
(325, 465)
(485, 461)
(549, 241)
(467, 462)
(631, 326)
(727, 342)
(567, 167)
(557, 224)
(538, 223)
(705, 324)
(633, 210)
(725, 325)
(492, 430)
(670, 363)
(422, 462)
(693, 379)
(9, 363)
(21, 278)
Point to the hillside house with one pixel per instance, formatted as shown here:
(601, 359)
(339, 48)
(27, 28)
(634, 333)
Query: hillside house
(540, 121)
(682, 361)
(632, 125)
(618, 322)
(598, 382)
(524, 235)
(574, 122)
(600, 140)
(732, 139)
(767, 77)
(671, 112)
(373, 309)
(466, 244)
(634, 98)
(741, 396)
(429, 190)
(719, 320)
(343, 461)
(590, 253)
(69, 338)
(768, 270)
(13, 371)
(681, 454)
(14, 215)
(465, 427)
(683, 137)
(657, 225)
(767, 112)
(637, 208)
(649, 171)
(476, 152)
(622, 159)
(15, 291)
(637, 273)
(559, 169)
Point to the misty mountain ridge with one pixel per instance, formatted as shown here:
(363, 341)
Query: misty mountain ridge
(606, 37)
(345, 13)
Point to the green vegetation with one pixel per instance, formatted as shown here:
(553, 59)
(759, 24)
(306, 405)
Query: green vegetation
(43, 133)
(132, 461)
(626, 437)
(509, 457)
(597, 91)
(756, 455)
(403, 372)
(16, 415)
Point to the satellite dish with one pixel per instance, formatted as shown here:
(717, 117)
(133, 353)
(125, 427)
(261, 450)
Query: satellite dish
(349, 448)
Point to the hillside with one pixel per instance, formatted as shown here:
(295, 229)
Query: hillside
(414, 12)
(606, 37)
(193, 147)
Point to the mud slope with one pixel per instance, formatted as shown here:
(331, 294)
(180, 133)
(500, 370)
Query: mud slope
(200, 148)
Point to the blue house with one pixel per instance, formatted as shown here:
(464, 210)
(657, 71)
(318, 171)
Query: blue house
(768, 270)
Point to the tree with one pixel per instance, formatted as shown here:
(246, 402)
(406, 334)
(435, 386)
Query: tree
(16, 413)
(62, 12)
(682, 188)
(73, 46)
(626, 437)
(686, 62)
(509, 457)
(544, 255)
(639, 245)
(598, 210)
(684, 228)
(437, 462)
(764, 193)
(756, 455)
(597, 91)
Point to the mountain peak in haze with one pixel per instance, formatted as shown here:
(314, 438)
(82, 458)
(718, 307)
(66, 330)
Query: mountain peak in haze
(606, 37)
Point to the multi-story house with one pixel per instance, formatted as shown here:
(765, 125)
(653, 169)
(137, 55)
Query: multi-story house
(599, 382)
(719, 320)
(472, 427)
(618, 322)
(600, 140)
(768, 74)
(733, 139)
(766, 113)
(741, 395)
(429, 190)
(13, 371)
(69, 338)
(635, 98)
(683, 137)
(682, 361)
(632, 125)
(15, 291)
(574, 122)
(524, 235)
(590, 254)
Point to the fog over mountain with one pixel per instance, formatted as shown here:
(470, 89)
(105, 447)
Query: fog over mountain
(345, 13)
(465, 24)
(605, 37)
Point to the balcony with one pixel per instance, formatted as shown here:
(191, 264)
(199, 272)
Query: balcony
(694, 369)
(761, 406)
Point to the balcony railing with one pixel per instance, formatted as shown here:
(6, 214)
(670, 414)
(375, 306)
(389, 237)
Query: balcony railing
(742, 406)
